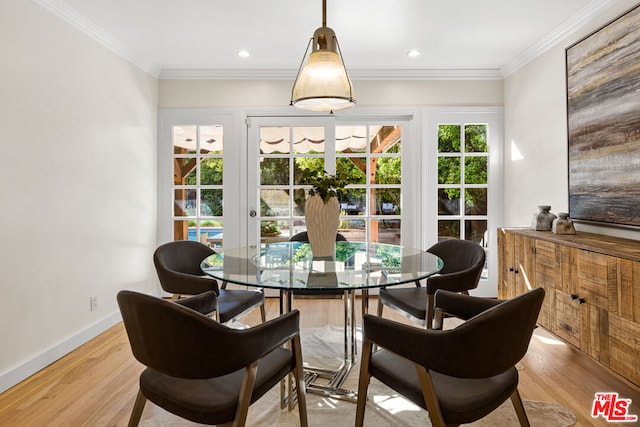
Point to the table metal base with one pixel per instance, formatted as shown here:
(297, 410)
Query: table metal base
(325, 381)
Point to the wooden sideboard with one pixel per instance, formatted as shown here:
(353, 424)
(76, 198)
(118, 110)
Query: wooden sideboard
(592, 285)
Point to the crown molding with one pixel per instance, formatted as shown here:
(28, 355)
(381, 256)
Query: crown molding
(85, 25)
(65, 12)
(584, 15)
(357, 74)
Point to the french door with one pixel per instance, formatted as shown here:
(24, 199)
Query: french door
(199, 160)
(371, 152)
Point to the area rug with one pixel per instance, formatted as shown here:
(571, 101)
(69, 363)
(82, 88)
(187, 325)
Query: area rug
(323, 347)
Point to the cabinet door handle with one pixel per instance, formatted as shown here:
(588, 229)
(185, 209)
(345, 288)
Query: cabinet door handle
(578, 299)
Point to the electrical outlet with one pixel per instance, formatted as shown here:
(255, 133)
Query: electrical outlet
(94, 303)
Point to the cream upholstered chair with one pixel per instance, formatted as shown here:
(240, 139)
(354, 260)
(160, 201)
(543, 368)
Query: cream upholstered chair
(458, 375)
(201, 370)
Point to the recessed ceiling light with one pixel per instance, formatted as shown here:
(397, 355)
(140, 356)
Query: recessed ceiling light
(413, 53)
(243, 53)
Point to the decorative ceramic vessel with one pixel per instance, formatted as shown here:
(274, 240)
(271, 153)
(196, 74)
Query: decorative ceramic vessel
(543, 219)
(322, 220)
(562, 224)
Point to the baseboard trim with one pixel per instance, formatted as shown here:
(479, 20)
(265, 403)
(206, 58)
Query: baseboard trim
(23, 371)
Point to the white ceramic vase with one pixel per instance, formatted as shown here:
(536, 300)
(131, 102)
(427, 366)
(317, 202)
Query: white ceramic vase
(322, 224)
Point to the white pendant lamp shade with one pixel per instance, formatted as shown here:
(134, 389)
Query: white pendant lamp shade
(323, 84)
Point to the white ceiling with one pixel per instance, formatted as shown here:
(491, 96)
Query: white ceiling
(179, 38)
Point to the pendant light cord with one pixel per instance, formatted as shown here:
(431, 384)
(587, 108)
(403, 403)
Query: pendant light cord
(324, 13)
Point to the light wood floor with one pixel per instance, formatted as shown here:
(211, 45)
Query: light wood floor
(96, 384)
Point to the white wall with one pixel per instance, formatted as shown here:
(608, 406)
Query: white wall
(241, 93)
(536, 125)
(78, 209)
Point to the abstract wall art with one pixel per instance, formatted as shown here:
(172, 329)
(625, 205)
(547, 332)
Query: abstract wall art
(603, 118)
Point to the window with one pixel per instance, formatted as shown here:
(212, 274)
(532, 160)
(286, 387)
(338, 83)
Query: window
(464, 182)
(463, 160)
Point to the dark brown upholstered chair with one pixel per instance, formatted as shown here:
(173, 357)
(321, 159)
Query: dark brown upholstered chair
(201, 370)
(304, 237)
(458, 375)
(178, 267)
(463, 264)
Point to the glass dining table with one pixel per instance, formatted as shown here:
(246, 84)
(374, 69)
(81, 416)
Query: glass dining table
(291, 266)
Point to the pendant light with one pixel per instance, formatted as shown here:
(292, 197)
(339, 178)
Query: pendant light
(323, 83)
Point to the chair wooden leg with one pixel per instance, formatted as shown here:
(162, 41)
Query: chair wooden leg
(216, 314)
(438, 321)
(246, 390)
(138, 407)
(283, 393)
(263, 313)
(430, 399)
(298, 373)
(363, 382)
(380, 307)
(519, 407)
(428, 321)
(365, 302)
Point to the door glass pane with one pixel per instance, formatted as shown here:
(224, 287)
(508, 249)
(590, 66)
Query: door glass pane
(387, 201)
(475, 201)
(274, 171)
(211, 171)
(354, 167)
(383, 138)
(351, 139)
(354, 230)
(184, 202)
(475, 139)
(449, 170)
(448, 228)
(302, 163)
(388, 170)
(274, 202)
(274, 140)
(211, 202)
(184, 139)
(448, 201)
(273, 228)
(389, 231)
(353, 202)
(211, 139)
(475, 231)
(448, 138)
(475, 170)
(308, 140)
(211, 233)
(184, 171)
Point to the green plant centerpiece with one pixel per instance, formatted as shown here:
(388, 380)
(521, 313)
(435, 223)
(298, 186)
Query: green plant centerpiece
(322, 210)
